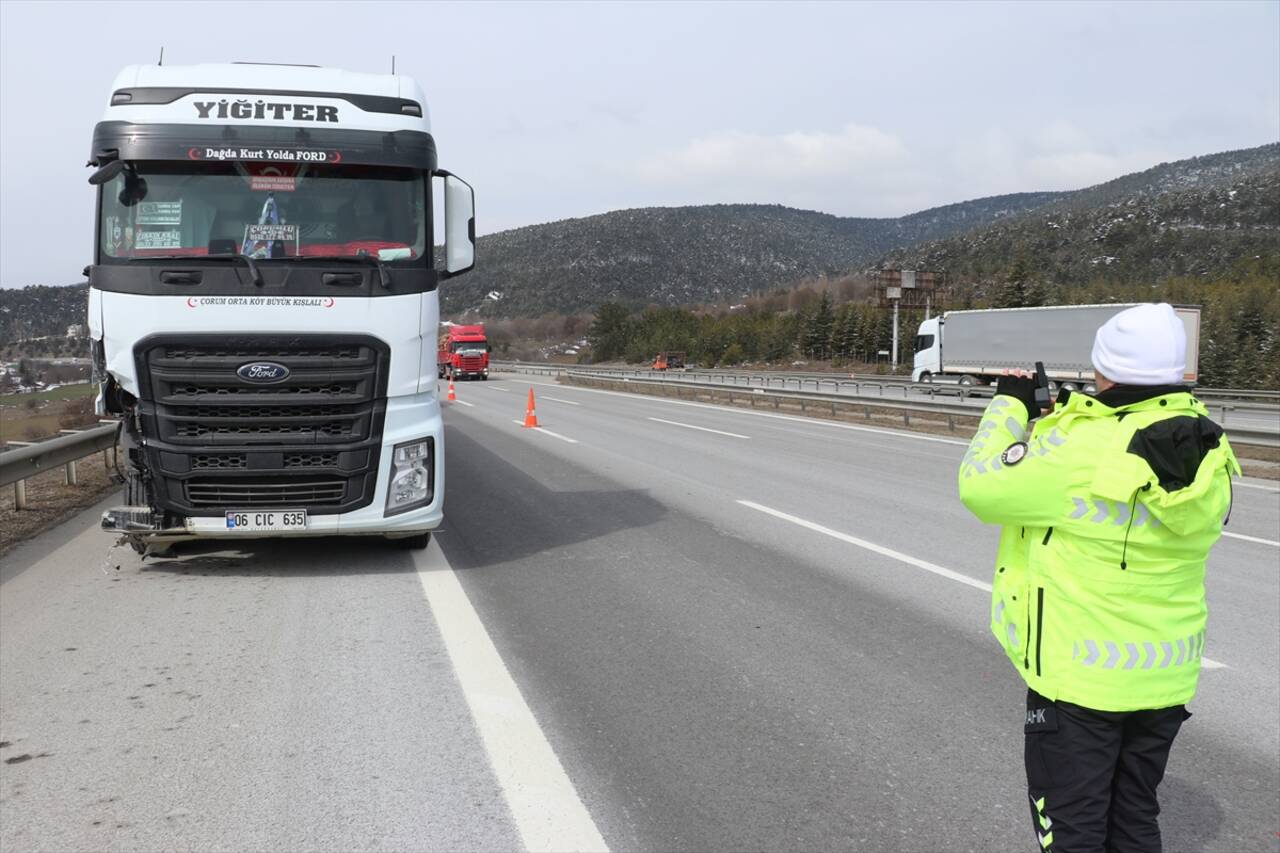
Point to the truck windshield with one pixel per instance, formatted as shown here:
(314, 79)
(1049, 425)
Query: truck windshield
(468, 346)
(263, 210)
(923, 342)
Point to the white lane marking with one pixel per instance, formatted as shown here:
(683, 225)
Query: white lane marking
(699, 428)
(549, 432)
(871, 546)
(462, 403)
(806, 421)
(903, 558)
(496, 388)
(558, 400)
(546, 808)
(1257, 486)
(1271, 542)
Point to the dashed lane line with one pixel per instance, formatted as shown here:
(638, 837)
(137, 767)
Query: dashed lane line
(735, 410)
(463, 403)
(558, 400)
(1257, 486)
(1260, 541)
(546, 431)
(871, 546)
(545, 806)
(700, 428)
(942, 571)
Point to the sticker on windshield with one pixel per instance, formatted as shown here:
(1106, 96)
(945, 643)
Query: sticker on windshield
(160, 213)
(273, 183)
(276, 155)
(260, 239)
(158, 240)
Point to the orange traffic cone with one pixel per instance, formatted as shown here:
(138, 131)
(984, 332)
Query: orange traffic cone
(452, 394)
(530, 416)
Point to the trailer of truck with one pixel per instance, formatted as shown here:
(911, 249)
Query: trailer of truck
(977, 347)
(263, 301)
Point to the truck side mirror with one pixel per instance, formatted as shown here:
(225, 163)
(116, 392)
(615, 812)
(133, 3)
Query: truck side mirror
(459, 225)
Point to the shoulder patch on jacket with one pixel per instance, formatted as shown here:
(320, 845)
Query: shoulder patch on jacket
(1014, 453)
(1175, 447)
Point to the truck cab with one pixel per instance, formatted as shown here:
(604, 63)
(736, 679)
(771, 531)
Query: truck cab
(263, 301)
(464, 353)
(928, 347)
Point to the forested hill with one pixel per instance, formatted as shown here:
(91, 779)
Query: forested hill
(40, 311)
(685, 255)
(1206, 217)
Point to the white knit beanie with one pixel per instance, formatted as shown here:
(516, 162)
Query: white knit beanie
(1143, 345)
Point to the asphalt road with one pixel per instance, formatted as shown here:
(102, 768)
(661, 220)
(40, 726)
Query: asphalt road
(651, 624)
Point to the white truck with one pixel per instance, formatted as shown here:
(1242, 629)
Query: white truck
(263, 301)
(977, 347)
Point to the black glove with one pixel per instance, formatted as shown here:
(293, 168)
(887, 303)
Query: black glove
(1023, 388)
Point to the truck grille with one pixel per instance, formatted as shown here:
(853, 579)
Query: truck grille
(310, 440)
(226, 492)
(471, 363)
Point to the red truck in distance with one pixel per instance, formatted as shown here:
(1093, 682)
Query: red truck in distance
(464, 353)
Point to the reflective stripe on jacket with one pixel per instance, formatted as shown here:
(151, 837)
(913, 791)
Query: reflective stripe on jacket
(1108, 518)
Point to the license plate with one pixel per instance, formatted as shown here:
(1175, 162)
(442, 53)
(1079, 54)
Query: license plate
(274, 519)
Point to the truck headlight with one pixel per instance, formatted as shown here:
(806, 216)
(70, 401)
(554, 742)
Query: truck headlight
(412, 481)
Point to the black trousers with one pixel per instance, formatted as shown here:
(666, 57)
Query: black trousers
(1092, 775)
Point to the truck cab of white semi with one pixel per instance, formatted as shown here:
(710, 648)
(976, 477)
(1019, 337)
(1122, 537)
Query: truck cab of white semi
(928, 346)
(263, 301)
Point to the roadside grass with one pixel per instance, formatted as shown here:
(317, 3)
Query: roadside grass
(65, 392)
(17, 425)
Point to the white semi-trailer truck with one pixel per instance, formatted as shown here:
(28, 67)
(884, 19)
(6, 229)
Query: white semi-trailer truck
(263, 301)
(977, 347)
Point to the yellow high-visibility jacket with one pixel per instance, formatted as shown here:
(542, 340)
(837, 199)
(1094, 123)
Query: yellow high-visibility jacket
(1109, 510)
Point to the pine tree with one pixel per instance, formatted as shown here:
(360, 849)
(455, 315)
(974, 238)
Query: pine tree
(818, 328)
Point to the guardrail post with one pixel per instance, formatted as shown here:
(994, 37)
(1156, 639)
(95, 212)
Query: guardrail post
(71, 473)
(20, 494)
(951, 423)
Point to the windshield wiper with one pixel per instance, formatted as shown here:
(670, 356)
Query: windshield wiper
(254, 273)
(384, 277)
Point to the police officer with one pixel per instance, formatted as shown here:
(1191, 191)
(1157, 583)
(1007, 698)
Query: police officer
(1109, 505)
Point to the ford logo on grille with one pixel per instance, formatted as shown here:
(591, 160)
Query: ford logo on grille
(262, 371)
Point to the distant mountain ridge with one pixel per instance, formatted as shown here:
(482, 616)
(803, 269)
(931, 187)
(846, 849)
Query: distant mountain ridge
(684, 255)
(1205, 216)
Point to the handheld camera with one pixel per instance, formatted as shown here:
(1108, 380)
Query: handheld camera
(1043, 399)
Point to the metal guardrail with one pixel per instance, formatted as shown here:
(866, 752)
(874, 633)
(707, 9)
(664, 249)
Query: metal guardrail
(27, 460)
(784, 377)
(1238, 434)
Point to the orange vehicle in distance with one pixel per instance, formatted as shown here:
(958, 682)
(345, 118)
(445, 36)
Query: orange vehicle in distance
(669, 361)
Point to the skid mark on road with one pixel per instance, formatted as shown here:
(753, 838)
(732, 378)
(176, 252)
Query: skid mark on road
(700, 428)
(544, 804)
(942, 571)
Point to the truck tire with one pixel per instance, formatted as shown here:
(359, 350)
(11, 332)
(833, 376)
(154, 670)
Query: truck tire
(925, 377)
(416, 542)
(968, 379)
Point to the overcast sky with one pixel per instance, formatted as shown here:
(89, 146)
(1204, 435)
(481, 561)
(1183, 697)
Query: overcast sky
(562, 110)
